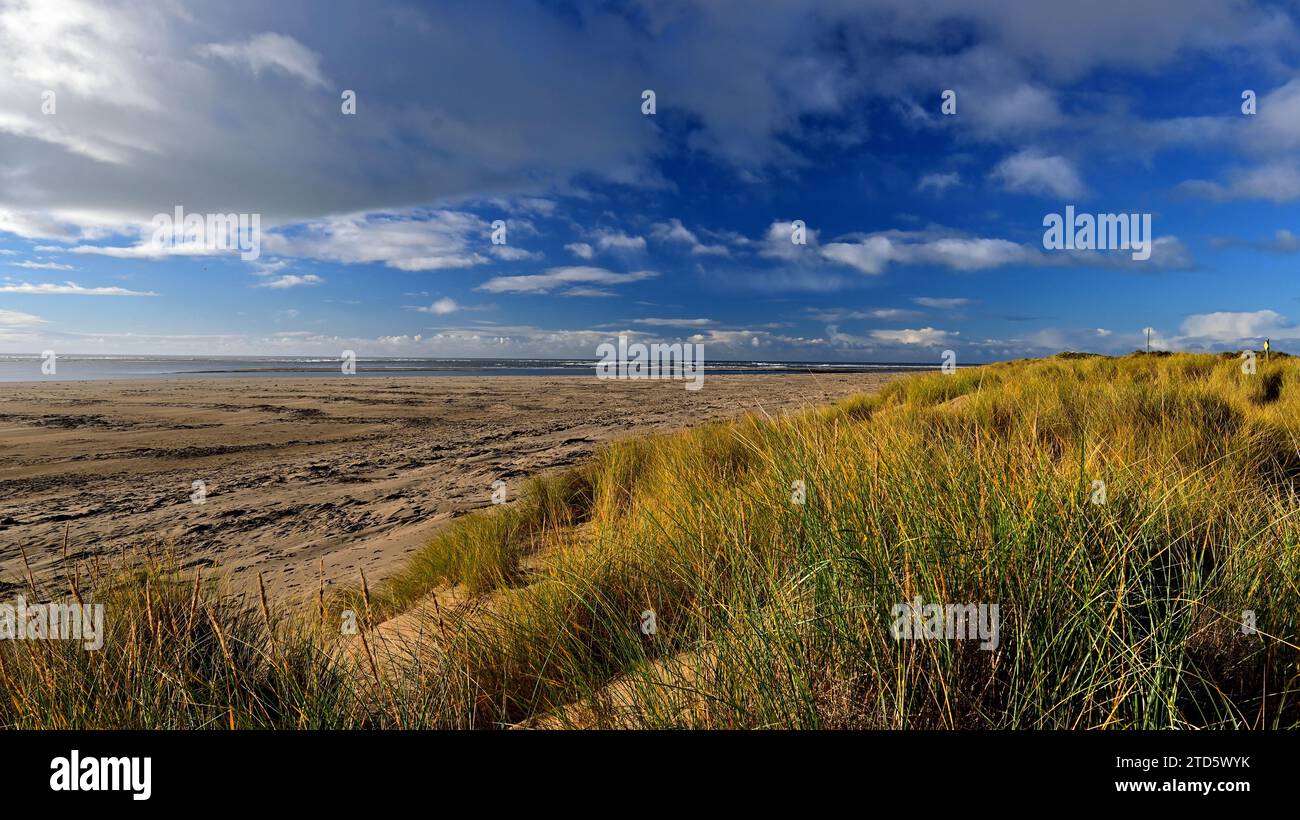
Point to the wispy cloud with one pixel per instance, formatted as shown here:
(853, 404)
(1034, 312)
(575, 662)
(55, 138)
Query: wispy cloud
(652, 322)
(1276, 181)
(14, 318)
(273, 51)
(555, 278)
(290, 280)
(674, 232)
(1283, 241)
(68, 289)
(614, 240)
(942, 303)
(938, 183)
(846, 315)
(42, 265)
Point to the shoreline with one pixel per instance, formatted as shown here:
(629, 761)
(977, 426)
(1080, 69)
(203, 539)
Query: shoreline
(715, 370)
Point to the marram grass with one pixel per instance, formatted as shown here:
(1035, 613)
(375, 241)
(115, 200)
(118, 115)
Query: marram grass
(978, 487)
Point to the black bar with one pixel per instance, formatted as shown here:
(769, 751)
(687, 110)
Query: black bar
(440, 771)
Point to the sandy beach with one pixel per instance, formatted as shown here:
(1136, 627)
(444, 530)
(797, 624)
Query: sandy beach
(298, 471)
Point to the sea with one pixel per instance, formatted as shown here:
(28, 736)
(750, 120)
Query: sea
(22, 368)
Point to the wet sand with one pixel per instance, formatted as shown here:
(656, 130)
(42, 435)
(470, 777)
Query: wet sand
(355, 473)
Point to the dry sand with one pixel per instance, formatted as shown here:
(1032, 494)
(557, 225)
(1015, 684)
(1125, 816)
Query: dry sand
(357, 473)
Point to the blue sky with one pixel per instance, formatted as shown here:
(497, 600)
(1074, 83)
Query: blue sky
(924, 230)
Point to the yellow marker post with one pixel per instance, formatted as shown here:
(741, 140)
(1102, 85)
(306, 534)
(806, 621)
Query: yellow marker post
(1266, 350)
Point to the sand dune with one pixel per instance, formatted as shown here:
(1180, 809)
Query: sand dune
(354, 473)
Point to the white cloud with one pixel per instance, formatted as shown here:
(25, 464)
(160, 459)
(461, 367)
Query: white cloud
(509, 253)
(843, 315)
(674, 322)
(941, 303)
(42, 265)
(411, 241)
(1024, 108)
(779, 242)
(923, 337)
(1277, 181)
(595, 293)
(14, 318)
(267, 268)
(441, 307)
(613, 240)
(581, 250)
(1167, 253)
(274, 51)
(872, 253)
(1275, 127)
(1283, 241)
(1032, 172)
(1229, 326)
(967, 254)
(554, 278)
(673, 231)
(68, 289)
(290, 280)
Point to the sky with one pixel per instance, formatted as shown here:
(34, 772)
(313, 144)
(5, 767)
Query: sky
(502, 187)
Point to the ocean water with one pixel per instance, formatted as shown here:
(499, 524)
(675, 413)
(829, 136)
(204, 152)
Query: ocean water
(14, 368)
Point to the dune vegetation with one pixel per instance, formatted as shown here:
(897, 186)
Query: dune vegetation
(1134, 519)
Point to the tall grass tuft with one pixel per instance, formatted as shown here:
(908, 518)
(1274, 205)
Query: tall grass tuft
(176, 654)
